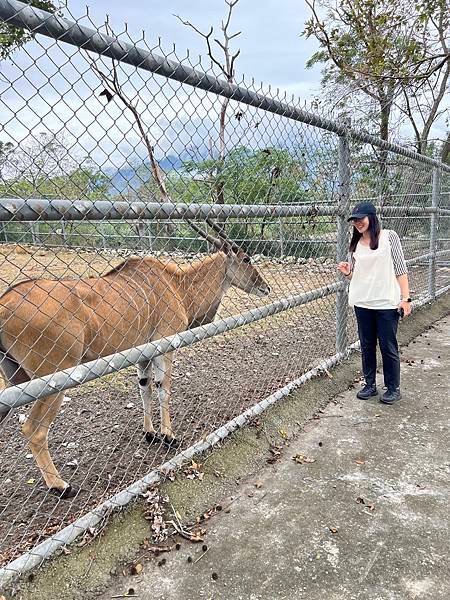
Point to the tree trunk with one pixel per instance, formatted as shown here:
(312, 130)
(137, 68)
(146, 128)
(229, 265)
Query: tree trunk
(385, 113)
(445, 153)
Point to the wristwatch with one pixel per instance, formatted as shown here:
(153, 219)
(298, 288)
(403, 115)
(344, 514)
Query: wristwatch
(406, 299)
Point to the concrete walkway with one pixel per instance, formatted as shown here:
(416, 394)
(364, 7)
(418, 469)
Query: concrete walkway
(368, 519)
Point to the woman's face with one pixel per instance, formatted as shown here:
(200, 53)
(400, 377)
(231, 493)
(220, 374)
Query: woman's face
(361, 225)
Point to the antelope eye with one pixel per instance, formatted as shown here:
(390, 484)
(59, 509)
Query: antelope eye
(246, 259)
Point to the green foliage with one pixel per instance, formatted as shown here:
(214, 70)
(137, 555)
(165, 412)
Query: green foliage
(388, 51)
(368, 39)
(84, 183)
(43, 167)
(246, 176)
(12, 37)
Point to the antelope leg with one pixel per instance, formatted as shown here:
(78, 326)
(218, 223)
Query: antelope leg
(36, 429)
(162, 366)
(145, 390)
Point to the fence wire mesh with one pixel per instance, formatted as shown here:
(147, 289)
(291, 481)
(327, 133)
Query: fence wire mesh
(83, 133)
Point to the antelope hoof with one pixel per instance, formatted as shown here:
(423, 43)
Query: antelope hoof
(152, 437)
(68, 492)
(170, 441)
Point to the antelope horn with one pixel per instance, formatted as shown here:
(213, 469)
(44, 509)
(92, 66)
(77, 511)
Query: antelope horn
(212, 240)
(223, 235)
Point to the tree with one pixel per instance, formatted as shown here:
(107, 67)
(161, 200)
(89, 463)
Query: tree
(12, 37)
(5, 150)
(43, 166)
(445, 151)
(40, 156)
(226, 67)
(393, 54)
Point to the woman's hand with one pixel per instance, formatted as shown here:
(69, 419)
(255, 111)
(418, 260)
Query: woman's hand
(406, 307)
(345, 268)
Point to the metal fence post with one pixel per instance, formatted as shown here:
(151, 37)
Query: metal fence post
(433, 232)
(342, 239)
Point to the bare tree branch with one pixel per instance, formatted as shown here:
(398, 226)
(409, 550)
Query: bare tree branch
(112, 84)
(206, 37)
(227, 68)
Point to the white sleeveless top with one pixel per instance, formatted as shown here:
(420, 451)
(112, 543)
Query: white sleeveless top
(374, 282)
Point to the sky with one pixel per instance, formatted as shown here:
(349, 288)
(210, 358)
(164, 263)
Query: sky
(52, 87)
(272, 49)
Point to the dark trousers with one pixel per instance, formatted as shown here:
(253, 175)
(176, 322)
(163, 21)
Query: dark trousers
(379, 325)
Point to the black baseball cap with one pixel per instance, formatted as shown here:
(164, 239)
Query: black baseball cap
(362, 210)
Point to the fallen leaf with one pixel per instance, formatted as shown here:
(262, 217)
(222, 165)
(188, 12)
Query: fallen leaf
(360, 461)
(302, 459)
(136, 569)
(333, 529)
(30, 482)
(196, 536)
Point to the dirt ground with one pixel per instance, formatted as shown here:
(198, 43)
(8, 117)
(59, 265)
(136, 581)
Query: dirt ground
(97, 440)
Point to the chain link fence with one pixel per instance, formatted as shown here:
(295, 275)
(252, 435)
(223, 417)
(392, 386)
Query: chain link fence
(135, 185)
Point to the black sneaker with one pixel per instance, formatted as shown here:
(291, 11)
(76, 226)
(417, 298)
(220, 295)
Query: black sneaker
(368, 391)
(391, 396)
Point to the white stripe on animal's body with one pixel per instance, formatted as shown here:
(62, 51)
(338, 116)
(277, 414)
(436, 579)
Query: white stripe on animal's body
(145, 390)
(161, 368)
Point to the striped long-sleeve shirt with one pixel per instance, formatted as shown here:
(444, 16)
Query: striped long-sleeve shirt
(398, 257)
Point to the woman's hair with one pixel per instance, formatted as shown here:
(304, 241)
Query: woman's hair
(374, 230)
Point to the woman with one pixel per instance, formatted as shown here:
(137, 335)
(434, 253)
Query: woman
(379, 292)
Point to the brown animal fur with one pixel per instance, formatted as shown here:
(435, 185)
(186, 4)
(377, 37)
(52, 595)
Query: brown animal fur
(48, 325)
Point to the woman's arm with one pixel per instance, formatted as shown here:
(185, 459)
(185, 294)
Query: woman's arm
(403, 282)
(404, 290)
(401, 271)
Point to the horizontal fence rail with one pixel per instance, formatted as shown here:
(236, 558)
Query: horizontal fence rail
(154, 215)
(57, 210)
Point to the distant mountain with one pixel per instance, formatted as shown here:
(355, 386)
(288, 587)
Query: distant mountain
(132, 177)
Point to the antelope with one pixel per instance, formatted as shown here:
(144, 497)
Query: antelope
(49, 325)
